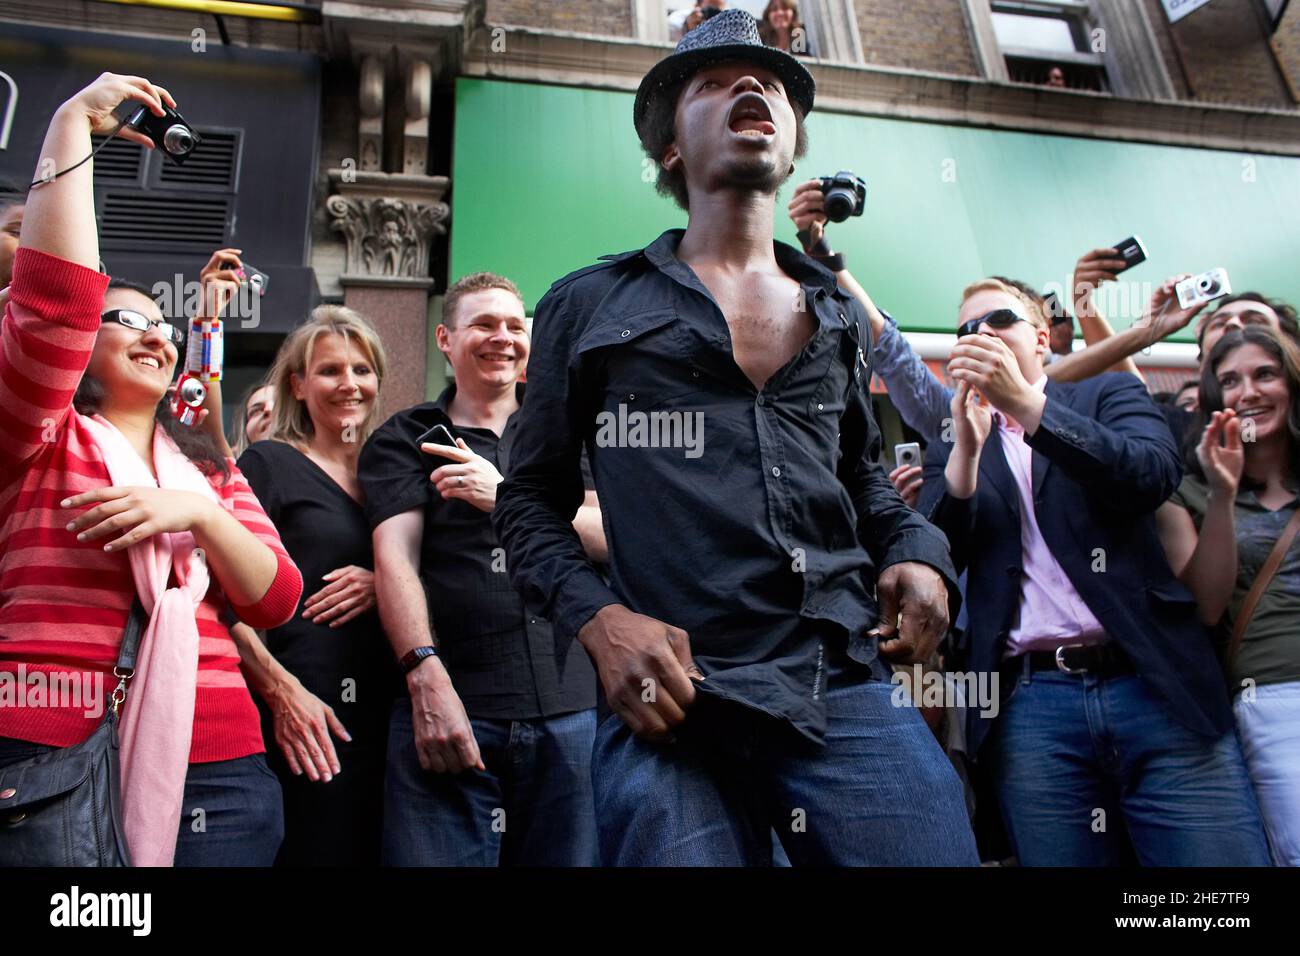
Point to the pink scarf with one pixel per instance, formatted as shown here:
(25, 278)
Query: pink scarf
(158, 717)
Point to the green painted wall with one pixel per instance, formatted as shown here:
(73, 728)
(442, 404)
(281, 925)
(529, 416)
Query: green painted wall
(547, 178)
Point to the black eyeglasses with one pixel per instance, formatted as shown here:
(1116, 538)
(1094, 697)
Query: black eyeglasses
(998, 318)
(141, 323)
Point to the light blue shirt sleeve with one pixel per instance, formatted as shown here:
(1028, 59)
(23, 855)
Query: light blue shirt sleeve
(922, 400)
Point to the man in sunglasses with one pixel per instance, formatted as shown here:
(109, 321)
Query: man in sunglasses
(1114, 740)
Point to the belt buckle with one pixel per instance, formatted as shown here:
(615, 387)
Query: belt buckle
(1060, 660)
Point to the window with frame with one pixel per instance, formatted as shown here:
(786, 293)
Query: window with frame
(677, 11)
(1049, 43)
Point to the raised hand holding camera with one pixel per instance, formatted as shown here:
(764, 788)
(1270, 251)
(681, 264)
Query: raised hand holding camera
(817, 201)
(168, 132)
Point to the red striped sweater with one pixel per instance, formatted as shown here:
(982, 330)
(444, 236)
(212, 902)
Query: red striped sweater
(64, 603)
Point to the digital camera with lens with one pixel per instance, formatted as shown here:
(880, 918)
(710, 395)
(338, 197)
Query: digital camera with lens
(1202, 288)
(846, 195)
(169, 132)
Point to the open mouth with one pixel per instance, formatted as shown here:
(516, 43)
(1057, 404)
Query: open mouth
(496, 357)
(751, 117)
(1255, 411)
(148, 361)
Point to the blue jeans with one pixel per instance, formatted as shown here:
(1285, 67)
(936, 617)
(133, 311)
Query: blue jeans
(1095, 772)
(531, 807)
(880, 792)
(1268, 725)
(242, 819)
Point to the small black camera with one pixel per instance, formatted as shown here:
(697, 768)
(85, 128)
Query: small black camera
(169, 132)
(846, 195)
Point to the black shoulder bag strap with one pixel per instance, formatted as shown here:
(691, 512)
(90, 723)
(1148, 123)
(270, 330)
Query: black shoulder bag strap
(124, 670)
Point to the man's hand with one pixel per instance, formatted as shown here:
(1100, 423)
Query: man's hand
(444, 739)
(645, 667)
(987, 364)
(907, 480)
(972, 421)
(471, 478)
(1163, 317)
(1092, 269)
(807, 210)
(913, 612)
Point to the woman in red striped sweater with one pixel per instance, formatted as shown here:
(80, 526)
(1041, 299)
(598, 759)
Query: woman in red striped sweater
(100, 503)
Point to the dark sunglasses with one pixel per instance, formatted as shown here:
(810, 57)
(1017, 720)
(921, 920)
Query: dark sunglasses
(998, 318)
(141, 322)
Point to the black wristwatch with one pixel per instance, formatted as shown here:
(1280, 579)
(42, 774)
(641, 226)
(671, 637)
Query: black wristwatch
(413, 658)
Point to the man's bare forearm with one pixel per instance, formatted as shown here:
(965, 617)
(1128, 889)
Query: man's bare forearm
(1096, 329)
(1100, 357)
(403, 609)
(850, 285)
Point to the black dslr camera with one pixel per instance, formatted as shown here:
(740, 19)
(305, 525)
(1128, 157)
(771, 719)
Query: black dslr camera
(846, 195)
(169, 132)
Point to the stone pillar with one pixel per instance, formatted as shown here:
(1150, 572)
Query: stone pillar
(388, 221)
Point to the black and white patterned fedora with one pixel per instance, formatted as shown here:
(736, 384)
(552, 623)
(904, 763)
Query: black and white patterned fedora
(731, 35)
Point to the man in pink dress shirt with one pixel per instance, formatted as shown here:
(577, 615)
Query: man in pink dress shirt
(1113, 743)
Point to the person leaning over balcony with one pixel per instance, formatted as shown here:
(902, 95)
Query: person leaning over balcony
(1223, 527)
(781, 27)
(104, 497)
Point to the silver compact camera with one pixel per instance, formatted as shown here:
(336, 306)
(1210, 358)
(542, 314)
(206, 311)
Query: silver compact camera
(1202, 288)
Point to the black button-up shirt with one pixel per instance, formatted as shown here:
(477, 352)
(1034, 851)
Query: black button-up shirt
(497, 647)
(756, 520)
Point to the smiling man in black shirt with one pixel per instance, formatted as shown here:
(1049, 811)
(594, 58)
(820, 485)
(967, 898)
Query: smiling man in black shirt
(759, 555)
(488, 761)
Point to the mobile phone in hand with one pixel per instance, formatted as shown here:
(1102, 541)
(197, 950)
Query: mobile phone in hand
(1131, 251)
(437, 435)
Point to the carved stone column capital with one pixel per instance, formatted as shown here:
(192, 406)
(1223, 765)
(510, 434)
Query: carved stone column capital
(388, 221)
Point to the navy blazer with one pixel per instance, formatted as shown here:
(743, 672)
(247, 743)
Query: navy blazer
(1103, 461)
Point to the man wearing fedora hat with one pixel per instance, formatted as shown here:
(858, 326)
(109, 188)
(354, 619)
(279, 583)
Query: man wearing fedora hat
(760, 571)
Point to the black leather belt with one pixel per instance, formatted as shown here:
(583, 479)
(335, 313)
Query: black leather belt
(1099, 660)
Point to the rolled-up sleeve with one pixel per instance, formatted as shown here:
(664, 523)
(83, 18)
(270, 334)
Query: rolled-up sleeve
(921, 399)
